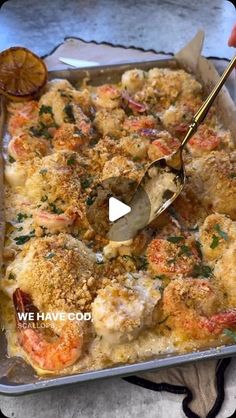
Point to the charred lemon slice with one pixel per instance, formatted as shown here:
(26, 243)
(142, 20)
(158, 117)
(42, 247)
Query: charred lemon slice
(22, 73)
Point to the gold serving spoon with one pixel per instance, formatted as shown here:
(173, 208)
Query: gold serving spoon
(170, 170)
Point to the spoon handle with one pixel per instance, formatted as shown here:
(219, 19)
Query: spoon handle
(202, 112)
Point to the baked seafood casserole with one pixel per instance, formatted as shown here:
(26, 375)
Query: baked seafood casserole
(172, 288)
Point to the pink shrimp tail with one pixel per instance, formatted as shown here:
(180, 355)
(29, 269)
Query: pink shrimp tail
(232, 38)
(217, 322)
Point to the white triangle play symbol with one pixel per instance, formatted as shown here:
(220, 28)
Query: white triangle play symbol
(117, 209)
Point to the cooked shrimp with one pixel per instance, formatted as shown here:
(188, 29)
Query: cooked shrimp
(107, 96)
(71, 137)
(139, 123)
(54, 190)
(133, 80)
(48, 354)
(194, 308)
(121, 311)
(164, 144)
(52, 221)
(206, 139)
(177, 119)
(22, 116)
(24, 147)
(172, 259)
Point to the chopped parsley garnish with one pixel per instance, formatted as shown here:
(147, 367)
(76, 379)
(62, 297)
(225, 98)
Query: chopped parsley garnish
(230, 333)
(22, 239)
(202, 270)
(45, 109)
(71, 160)
(21, 216)
(55, 209)
(175, 239)
(68, 109)
(233, 175)
(89, 201)
(85, 182)
(215, 242)
(140, 260)
(199, 248)
(184, 249)
(40, 130)
(160, 277)
(43, 171)
(11, 276)
(44, 198)
(136, 158)
(49, 255)
(221, 233)
(11, 159)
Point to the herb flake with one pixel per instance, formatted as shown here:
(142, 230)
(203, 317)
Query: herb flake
(89, 201)
(71, 160)
(45, 109)
(160, 277)
(175, 239)
(68, 109)
(221, 233)
(202, 270)
(214, 242)
(22, 239)
(21, 216)
(40, 130)
(229, 333)
(86, 182)
(11, 276)
(55, 209)
(184, 249)
(11, 159)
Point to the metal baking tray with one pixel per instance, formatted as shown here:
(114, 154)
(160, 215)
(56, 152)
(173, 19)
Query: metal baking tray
(17, 377)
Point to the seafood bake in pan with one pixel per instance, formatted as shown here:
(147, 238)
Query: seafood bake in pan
(170, 289)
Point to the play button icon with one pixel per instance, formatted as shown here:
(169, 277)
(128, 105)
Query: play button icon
(117, 209)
